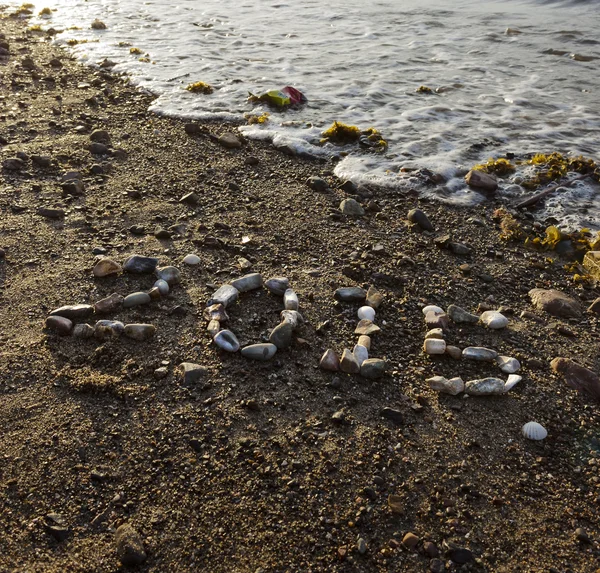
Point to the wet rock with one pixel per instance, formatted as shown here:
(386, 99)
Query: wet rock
(106, 267)
(225, 295)
(484, 387)
(191, 373)
(374, 298)
(481, 180)
(317, 184)
(454, 352)
(140, 264)
(293, 317)
(98, 25)
(74, 312)
(453, 386)
(109, 304)
(410, 541)
(460, 315)
(83, 331)
(136, 299)
(479, 353)
(226, 340)
(162, 286)
(348, 363)
(555, 303)
(329, 361)
(577, 376)
(365, 341)
(171, 275)
(51, 213)
(419, 218)
(281, 335)
(60, 325)
(508, 365)
(351, 208)
(248, 282)
(261, 352)
(373, 368)
(230, 141)
(360, 353)
(107, 329)
(434, 346)
(290, 300)
(393, 415)
(191, 260)
(367, 328)
(350, 294)
(277, 285)
(139, 331)
(493, 320)
(130, 547)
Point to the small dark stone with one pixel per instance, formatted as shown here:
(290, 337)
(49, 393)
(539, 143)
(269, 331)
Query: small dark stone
(581, 535)
(461, 556)
(50, 213)
(191, 128)
(137, 230)
(100, 136)
(42, 161)
(189, 199)
(162, 234)
(140, 264)
(130, 547)
(195, 444)
(349, 187)
(73, 187)
(317, 184)
(419, 218)
(98, 149)
(13, 164)
(251, 160)
(393, 415)
(59, 533)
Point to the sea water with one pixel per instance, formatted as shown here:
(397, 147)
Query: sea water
(508, 77)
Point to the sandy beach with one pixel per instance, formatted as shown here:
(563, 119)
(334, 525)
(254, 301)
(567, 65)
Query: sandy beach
(275, 466)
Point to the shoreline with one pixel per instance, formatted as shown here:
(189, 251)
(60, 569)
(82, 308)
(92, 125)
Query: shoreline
(250, 469)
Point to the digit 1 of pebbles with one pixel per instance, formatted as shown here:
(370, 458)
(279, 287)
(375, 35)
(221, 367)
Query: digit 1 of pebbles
(281, 335)
(357, 361)
(61, 320)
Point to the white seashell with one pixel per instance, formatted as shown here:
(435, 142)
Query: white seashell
(360, 353)
(162, 286)
(512, 381)
(366, 312)
(434, 346)
(191, 259)
(290, 300)
(508, 365)
(534, 431)
(433, 308)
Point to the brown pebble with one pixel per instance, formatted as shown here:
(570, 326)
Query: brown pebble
(410, 541)
(60, 324)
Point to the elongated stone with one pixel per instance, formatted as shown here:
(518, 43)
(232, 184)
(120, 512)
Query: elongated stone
(293, 317)
(453, 386)
(419, 218)
(248, 282)
(227, 341)
(281, 335)
(83, 331)
(216, 312)
(277, 285)
(373, 368)
(460, 315)
(74, 312)
(508, 365)
(213, 328)
(139, 331)
(140, 264)
(350, 294)
(109, 304)
(171, 275)
(348, 363)
(330, 361)
(290, 300)
(479, 353)
(434, 346)
(105, 329)
(493, 319)
(59, 324)
(365, 341)
(106, 267)
(136, 299)
(262, 352)
(367, 328)
(374, 298)
(432, 308)
(225, 295)
(360, 353)
(484, 387)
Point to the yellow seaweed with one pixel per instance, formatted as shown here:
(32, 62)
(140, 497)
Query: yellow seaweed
(498, 166)
(200, 87)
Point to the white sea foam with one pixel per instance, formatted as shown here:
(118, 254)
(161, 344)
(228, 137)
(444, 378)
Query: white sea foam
(361, 63)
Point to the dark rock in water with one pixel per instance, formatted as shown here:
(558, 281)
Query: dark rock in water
(74, 312)
(577, 376)
(555, 303)
(130, 547)
(393, 415)
(317, 184)
(481, 180)
(140, 264)
(419, 218)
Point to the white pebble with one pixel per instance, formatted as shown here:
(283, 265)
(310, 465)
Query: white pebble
(290, 300)
(191, 259)
(508, 365)
(433, 308)
(366, 313)
(493, 319)
(434, 346)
